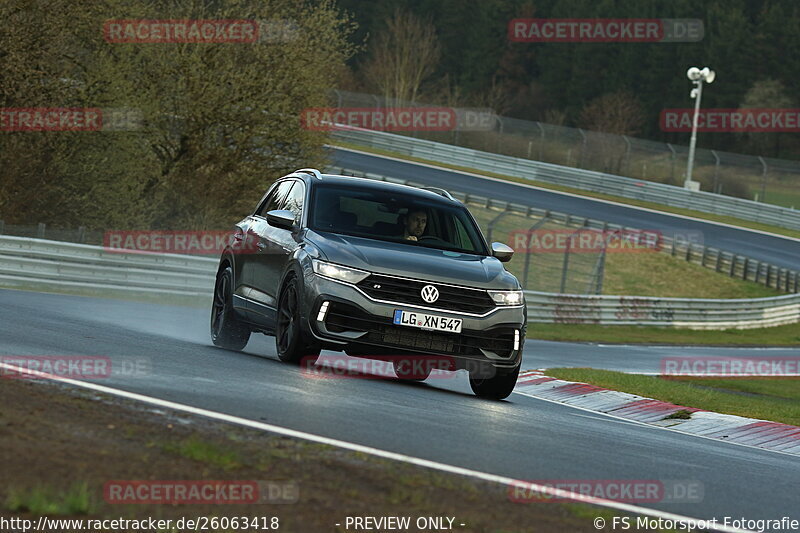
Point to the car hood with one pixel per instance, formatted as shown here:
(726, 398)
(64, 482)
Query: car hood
(412, 261)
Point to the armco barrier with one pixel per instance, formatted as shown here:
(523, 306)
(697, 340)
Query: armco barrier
(574, 177)
(672, 312)
(49, 265)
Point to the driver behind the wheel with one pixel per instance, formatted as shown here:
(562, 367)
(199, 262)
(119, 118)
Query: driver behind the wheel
(414, 224)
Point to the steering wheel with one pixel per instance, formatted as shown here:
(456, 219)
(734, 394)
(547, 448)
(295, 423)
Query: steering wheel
(431, 238)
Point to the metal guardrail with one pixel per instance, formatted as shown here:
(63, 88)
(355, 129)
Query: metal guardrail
(672, 312)
(734, 265)
(574, 177)
(52, 265)
(48, 265)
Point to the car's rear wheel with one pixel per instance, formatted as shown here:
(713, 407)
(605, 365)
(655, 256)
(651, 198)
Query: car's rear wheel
(227, 331)
(292, 345)
(496, 387)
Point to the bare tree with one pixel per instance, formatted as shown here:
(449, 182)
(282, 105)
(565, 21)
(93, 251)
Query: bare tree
(555, 117)
(220, 121)
(446, 92)
(619, 113)
(765, 94)
(609, 117)
(496, 97)
(403, 57)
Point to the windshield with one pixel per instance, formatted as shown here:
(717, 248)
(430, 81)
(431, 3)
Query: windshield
(395, 217)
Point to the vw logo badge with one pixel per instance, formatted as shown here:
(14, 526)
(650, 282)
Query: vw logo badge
(430, 293)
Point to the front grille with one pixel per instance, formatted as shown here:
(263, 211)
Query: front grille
(408, 291)
(382, 332)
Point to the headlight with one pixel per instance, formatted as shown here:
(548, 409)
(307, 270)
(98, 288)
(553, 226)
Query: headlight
(506, 297)
(342, 273)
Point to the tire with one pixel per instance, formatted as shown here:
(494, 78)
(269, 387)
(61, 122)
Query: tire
(227, 331)
(291, 343)
(406, 370)
(495, 388)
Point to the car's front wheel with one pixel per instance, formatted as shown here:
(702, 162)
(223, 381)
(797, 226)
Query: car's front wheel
(495, 388)
(226, 329)
(291, 343)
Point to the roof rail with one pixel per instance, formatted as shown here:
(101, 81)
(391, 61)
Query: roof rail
(313, 171)
(440, 191)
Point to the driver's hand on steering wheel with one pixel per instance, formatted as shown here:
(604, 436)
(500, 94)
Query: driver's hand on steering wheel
(411, 238)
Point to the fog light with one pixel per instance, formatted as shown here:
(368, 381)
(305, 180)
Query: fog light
(323, 309)
(516, 340)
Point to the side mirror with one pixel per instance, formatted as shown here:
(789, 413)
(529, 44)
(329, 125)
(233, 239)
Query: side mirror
(281, 218)
(502, 251)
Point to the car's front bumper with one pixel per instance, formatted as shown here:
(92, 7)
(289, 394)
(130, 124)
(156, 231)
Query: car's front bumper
(357, 323)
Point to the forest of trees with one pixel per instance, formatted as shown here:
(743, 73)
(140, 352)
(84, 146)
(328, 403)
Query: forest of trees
(217, 123)
(754, 46)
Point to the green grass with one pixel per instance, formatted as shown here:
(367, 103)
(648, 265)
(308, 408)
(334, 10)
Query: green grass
(205, 452)
(660, 274)
(630, 201)
(788, 389)
(774, 399)
(48, 501)
(788, 335)
(649, 273)
(782, 196)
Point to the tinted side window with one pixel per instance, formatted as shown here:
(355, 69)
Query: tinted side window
(277, 199)
(295, 199)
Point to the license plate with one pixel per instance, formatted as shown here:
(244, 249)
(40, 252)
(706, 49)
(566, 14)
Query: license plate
(430, 322)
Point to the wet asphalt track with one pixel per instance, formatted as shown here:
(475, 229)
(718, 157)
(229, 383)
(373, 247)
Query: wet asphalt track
(439, 420)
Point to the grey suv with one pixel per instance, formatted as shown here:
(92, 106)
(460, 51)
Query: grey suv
(375, 269)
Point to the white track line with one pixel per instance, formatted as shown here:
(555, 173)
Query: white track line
(484, 476)
(574, 195)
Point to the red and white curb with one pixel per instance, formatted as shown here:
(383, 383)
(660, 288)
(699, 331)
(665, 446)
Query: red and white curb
(747, 431)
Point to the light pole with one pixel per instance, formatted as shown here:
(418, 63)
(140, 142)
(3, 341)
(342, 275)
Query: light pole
(697, 76)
